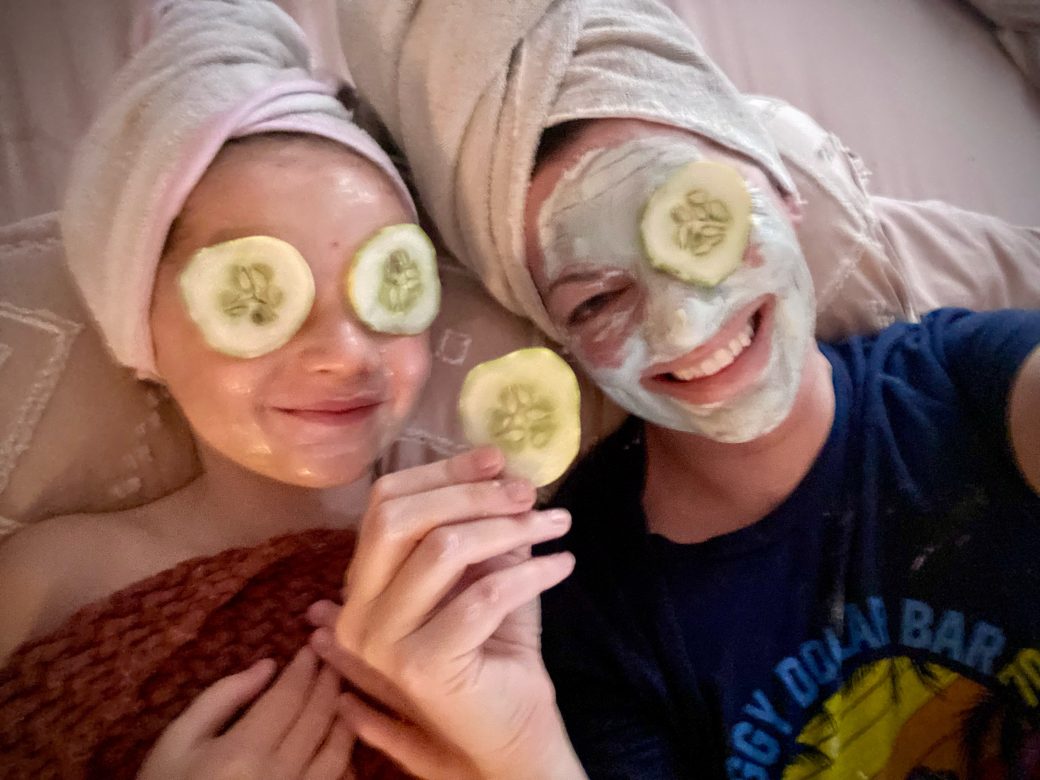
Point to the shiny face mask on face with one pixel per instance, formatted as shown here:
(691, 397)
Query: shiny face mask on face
(723, 362)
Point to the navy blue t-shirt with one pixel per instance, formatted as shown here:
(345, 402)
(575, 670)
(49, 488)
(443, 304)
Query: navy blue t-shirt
(884, 621)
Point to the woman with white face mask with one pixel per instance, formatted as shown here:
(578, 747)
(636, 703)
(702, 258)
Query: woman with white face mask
(781, 526)
(780, 554)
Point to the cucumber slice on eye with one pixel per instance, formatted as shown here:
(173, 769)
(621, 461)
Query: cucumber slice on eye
(526, 403)
(393, 284)
(248, 296)
(696, 225)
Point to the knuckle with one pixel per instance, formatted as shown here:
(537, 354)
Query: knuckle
(486, 593)
(370, 648)
(411, 673)
(235, 765)
(381, 490)
(481, 495)
(382, 521)
(444, 544)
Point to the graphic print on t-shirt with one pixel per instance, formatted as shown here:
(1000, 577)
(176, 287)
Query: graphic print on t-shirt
(937, 697)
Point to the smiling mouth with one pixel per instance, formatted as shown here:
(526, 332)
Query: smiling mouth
(333, 414)
(721, 358)
(723, 366)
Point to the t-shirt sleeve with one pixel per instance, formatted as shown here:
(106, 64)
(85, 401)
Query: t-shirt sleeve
(983, 352)
(940, 394)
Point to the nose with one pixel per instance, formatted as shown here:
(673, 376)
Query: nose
(678, 317)
(333, 341)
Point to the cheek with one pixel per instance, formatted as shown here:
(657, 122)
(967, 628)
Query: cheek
(408, 362)
(218, 397)
(600, 345)
(753, 257)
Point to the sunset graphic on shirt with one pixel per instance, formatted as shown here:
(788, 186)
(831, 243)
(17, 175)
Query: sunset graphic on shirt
(898, 718)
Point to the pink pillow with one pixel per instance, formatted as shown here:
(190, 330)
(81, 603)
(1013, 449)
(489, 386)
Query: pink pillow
(77, 433)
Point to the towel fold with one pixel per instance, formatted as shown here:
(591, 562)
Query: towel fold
(212, 70)
(466, 88)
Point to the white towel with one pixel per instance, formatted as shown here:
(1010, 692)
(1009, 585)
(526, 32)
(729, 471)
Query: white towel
(213, 70)
(466, 87)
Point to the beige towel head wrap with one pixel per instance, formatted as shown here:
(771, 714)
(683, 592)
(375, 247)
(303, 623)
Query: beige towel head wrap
(467, 87)
(213, 70)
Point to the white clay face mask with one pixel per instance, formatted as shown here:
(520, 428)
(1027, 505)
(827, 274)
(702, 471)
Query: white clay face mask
(596, 219)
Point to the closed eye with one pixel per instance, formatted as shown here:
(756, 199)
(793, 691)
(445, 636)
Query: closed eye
(590, 307)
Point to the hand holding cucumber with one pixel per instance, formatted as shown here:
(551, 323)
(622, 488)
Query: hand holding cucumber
(440, 621)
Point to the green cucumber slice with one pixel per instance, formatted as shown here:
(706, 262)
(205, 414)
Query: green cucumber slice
(526, 403)
(393, 283)
(248, 296)
(696, 225)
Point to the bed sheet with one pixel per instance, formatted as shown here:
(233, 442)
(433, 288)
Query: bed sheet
(922, 90)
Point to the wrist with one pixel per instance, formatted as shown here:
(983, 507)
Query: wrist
(549, 757)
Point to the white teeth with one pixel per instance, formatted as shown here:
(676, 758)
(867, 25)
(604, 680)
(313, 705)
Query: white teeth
(723, 357)
(687, 374)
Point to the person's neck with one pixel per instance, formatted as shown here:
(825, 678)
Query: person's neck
(697, 488)
(232, 506)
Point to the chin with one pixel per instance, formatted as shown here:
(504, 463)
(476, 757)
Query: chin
(320, 476)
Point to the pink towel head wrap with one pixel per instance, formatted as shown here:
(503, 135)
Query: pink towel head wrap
(212, 70)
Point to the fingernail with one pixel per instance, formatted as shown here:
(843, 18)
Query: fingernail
(321, 640)
(487, 458)
(519, 489)
(265, 664)
(565, 560)
(558, 516)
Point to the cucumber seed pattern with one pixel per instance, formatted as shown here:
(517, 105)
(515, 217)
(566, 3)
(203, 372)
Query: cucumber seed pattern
(402, 283)
(522, 418)
(701, 222)
(251, 291)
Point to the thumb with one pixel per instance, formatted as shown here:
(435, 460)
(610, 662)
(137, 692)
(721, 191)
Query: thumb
(406, 744)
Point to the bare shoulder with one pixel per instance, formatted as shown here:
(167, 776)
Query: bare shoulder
(52, 568)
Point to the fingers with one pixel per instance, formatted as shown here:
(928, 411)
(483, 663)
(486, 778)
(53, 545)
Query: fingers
(406, 744)
(469, 619)
(212, 708)
(333, 759)
(361, 675)
(270, 717)
(472, 466)
(438, 563)
(312, 725)
(390, 531)
(323, 614)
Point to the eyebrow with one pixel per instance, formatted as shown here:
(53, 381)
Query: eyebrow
(574, 276)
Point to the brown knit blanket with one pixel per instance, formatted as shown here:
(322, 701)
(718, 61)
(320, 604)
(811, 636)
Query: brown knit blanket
(89, 700)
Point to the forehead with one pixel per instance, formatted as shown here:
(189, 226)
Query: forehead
(603, 135)
(297, 189)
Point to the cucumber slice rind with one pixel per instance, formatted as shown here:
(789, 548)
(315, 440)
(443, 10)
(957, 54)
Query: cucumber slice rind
(247, 296)
(528, 404)
(392, 283)
(697, 224)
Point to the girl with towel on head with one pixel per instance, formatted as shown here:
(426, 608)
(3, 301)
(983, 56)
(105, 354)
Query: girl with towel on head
(796, 559)
(221, 196)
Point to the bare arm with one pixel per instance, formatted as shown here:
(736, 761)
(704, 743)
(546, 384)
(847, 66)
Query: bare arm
(1024, 419)
(25, 587)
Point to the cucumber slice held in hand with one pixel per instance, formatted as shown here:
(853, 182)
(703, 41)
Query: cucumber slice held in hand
(527, 404)
(248, 296)
(393, 283)
(696, 225)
